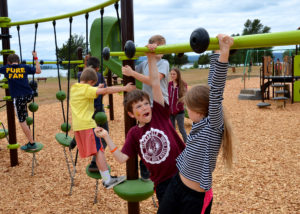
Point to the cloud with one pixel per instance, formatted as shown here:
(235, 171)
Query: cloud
(174, 19)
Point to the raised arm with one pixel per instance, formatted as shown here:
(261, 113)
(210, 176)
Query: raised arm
(128, 71)
(37, 63)
(118, 155)
(115, 89)
(218, 80)
(154, 76)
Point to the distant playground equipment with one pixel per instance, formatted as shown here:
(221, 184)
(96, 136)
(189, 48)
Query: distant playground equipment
(284, 82)
(199, 42)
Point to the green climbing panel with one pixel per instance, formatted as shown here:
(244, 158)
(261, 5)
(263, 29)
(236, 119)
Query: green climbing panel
(297, 91)
(63, 140)
(297, 65)
(111, 39)
(134, 190)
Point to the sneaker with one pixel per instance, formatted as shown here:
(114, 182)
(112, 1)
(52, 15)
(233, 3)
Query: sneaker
(93, 167)
(72, 144)
(114, 180)
(29, 146)
(145, 174)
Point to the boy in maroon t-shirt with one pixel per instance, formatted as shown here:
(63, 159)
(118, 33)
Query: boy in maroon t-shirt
(154, 139)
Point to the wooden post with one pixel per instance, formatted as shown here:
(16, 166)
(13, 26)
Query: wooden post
(9, 104)
(127, 31)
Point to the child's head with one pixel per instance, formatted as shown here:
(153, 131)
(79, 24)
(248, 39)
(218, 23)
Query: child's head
(13, 58)
(93, 62)
(89, 75)
(157, 39)
(197, 100)
(175, 75)
(137, 105)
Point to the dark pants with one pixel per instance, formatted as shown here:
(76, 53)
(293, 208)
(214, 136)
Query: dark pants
(178, 198)
(161, 189)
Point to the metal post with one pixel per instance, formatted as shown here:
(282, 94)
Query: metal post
(110, 96)
(9, 104)
(127, 33)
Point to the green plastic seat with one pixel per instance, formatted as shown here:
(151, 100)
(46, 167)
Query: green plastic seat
(63, 140)
(3, 133)
(134, 190)
(39, 147)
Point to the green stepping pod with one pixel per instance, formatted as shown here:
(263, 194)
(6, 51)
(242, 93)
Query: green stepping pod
(3, 133)
(39, 147)
(63, 140)
(134, 190)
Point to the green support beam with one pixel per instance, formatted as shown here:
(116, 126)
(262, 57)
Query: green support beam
(240, 42)
(77, 13)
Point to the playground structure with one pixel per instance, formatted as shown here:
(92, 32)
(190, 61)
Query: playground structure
(132, 174)
(283, 80)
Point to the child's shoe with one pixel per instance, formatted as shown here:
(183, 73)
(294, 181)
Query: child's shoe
(29, 146)
(93, 167)
(114, 180)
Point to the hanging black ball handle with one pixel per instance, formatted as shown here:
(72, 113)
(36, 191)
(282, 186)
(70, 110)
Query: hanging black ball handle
(129, 49)
(199, 40)
(106, 53)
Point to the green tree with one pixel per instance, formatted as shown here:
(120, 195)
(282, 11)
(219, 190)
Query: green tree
(170, 59)
(74, 42)
(180, 60)
(251, 27)
(203, 59)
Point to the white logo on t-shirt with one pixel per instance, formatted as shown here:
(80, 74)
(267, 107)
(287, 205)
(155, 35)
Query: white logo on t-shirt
(155, 146)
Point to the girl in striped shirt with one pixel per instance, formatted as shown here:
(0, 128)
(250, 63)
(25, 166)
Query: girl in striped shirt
(190, 191)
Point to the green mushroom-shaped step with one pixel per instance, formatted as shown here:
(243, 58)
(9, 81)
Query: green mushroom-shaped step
(95, 175)
(33, 107)
(3, 133)
(29, 121)
(39, 147)
(134, 190)
(61, 95)
(65, 126)
(100, 118)
(63, 140)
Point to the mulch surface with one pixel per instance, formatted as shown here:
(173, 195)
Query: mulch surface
(265, 177)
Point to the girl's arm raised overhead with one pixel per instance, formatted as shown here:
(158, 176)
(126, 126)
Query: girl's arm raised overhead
(218, 80)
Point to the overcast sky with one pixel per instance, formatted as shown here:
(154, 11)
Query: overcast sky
(174, 19)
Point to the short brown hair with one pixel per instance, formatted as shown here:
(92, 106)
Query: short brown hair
(89, 74)
(158, 39)
(133, 97)
(13, 58)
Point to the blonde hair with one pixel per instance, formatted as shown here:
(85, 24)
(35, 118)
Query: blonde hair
(158, 39)
(197, 99)
(89, 74)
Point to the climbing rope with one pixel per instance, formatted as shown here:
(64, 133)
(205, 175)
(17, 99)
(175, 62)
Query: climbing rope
(18, 28)
(34, 45)
(57, 65)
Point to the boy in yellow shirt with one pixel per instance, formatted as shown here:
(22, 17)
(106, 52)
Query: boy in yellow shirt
(82, 107)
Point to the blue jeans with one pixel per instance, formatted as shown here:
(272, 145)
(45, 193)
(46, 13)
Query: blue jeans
(180, 122)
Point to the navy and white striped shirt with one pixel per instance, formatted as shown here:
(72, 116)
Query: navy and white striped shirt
(198, 159)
